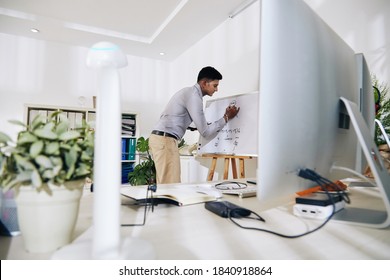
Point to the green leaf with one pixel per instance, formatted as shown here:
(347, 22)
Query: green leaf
(4, 138)
(24, 163)
(82, 170)
(36, 179)
(48, 174)
(16, 122)
(85, 156)
(69, 135)
(21, 177)
(57, 165)
(53, 116)
(43, 161)
(26, 137)
(142, 144)
(62, 127)
(38, 121)
(64, 146)
(57, 169)
(46, 189)
(45, 134)
(70, 161)
(71, 157)
(70, 172)
(36, 148)
(52, 148)
(24, 176)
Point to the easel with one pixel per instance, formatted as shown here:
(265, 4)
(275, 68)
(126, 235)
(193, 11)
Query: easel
(227, 159)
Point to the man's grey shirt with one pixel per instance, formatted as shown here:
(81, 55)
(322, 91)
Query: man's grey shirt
(185, 107)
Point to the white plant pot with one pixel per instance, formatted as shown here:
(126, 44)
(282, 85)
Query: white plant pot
(47, 222)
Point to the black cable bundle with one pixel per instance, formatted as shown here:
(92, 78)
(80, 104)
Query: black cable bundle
(324, 183)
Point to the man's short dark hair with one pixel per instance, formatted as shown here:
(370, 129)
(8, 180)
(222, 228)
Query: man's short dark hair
(209, 73)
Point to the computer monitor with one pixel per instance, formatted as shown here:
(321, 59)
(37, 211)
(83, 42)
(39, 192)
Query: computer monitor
(308, 76)
(366, 104)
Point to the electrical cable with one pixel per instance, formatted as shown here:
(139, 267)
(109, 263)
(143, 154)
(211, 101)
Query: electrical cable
(148, 201)
(309, 175)
(355, 173)
(149, 205)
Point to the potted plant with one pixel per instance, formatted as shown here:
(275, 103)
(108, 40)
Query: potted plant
(382, 104)
(382, 114)
(144, 173)
(46, 167)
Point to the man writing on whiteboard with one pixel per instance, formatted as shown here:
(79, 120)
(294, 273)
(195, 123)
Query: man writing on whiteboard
(185, 107)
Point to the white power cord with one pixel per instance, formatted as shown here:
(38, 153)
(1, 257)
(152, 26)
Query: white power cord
(370, 181)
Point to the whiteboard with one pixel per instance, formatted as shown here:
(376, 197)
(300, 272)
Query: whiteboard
(239, 135)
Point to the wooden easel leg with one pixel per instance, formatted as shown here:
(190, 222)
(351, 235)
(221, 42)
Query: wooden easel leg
(226, 170)
(234, 168)
(242, 168)
(212, 169)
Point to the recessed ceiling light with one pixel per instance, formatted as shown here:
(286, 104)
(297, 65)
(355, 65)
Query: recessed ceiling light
(34, 30)
(162, 53)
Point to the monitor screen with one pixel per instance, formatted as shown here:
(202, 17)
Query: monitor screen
(305, 67)
(308, 76)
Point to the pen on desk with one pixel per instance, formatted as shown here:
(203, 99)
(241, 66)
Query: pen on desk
(309, 191)
(336, 186)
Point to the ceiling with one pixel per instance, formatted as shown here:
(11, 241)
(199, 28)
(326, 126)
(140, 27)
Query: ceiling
(139, 27)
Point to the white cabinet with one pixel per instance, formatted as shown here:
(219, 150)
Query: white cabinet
(192, 171)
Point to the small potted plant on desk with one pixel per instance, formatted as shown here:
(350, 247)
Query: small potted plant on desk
(47, 167)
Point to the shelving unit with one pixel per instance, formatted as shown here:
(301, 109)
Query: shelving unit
(76, 117)
(129, 142)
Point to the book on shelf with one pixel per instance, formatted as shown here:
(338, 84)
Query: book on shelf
(128, 121)
(124, 148)
(128, 125)
(129, 148)
(126, 168)
(128, 129)
(179, 195)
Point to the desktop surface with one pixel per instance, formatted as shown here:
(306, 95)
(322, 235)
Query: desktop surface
(192, 232)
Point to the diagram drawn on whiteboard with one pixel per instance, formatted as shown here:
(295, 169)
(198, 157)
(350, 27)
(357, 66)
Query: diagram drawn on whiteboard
(239, 135)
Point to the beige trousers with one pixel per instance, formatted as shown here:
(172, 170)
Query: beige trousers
(165, 153)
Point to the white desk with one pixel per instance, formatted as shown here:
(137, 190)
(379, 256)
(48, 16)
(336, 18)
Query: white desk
(192, 232)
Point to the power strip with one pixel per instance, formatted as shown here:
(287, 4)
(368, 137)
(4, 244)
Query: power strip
(315, 211)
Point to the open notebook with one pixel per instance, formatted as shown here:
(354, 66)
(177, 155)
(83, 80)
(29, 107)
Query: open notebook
(173, 194)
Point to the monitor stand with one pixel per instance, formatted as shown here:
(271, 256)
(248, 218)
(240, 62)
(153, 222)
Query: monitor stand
(360, 216)
(383, 131)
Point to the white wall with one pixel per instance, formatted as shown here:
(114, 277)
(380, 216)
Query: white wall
(38, 72)
(233, 49)
(364, 25)
(33, 71)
